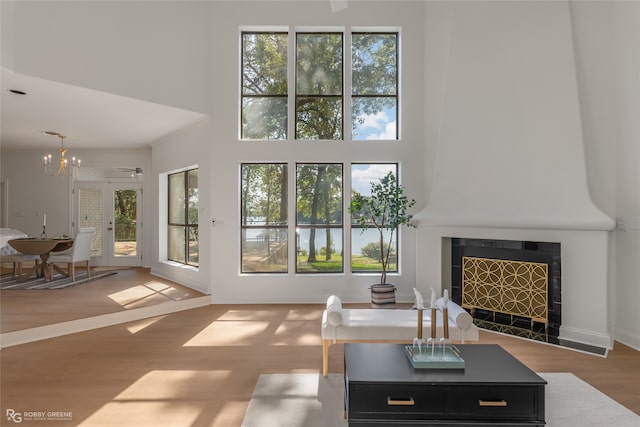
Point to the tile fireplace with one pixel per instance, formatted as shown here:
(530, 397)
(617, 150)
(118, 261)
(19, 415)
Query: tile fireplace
(509, 286)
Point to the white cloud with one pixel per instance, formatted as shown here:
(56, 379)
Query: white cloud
(375, 121)
(389, 132)
(361, 177)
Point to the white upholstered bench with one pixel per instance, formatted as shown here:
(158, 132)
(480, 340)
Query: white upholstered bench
(344, 325)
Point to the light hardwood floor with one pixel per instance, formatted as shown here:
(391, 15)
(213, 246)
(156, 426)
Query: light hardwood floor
(198, 367)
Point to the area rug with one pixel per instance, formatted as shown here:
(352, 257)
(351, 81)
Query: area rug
(59, 281)
(309, 400)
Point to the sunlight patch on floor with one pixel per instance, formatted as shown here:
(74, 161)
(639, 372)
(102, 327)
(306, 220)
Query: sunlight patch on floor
(175, 384)
(295, 333)
(223, 333)
(247, 315)
(162, 398)
(138, 326)
(144, 295)
(304, 315)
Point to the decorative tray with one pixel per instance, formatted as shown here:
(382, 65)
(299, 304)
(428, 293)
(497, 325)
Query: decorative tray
(438, 357)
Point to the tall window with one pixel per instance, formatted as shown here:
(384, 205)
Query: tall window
(374, 85)
(365, 243)
(264, 86)
(183, 217)
(319, 86)
(320, 75)
(319, 218)
(264, 218)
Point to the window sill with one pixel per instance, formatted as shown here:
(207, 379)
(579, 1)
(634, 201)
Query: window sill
(181, 266)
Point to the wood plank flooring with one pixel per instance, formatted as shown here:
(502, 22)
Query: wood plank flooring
(128, 289)
(198, 367)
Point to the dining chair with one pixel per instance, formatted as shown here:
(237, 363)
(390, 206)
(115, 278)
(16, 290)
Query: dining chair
(80, 251)
(9, 255)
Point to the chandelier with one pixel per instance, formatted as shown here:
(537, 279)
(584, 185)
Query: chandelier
(63, 163)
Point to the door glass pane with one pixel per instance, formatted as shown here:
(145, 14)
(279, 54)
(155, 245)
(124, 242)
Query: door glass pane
(90, 214)
(125, 222)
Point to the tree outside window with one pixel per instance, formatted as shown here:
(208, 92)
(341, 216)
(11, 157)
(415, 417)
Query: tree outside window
(263, 218)
(365, 244)
(319, 218)
(319, 86)
(374, 86)
(183, 217)
(264, 86)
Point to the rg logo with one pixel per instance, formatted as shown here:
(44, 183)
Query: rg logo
(14, 416)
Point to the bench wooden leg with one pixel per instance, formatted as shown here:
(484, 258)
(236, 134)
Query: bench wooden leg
(325, 357)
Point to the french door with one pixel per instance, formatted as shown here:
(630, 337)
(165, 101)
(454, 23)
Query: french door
(115, 211)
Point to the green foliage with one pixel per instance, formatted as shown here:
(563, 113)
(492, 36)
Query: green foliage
(372, 250)
(264, 194)
(386, 209)
(264, 86)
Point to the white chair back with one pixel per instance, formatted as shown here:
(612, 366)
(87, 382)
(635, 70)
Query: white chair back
(81, 249)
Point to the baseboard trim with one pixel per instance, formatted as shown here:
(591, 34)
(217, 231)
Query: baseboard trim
(25, 336)
(582, 336)
(628, 338)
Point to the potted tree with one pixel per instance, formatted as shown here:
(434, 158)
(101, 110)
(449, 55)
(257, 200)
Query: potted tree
(385, 209)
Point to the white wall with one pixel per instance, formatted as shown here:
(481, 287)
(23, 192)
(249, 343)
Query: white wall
(627, 54)
(607, 40)
(154, 51)
(510, 148)
(31, 194)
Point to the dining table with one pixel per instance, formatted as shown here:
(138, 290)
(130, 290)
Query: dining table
(43, 248)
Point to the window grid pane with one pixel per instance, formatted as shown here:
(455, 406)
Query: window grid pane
(263, 218)
(374, 86)
(183, 217)
(365, 243)
(264, 85)
(319, 86)
(319, 217)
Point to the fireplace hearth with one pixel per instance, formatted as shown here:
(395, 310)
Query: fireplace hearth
(509, 286)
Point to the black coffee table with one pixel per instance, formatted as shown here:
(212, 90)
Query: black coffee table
(382, 388)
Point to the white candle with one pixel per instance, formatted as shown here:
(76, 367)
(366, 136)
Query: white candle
(44, 221)
(433, 298)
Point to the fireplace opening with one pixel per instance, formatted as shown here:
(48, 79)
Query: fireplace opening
(509, 286)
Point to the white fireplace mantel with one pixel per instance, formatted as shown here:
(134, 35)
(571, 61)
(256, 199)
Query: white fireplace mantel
(584, 258)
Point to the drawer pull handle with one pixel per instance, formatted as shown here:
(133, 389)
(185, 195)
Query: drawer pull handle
(400, 402)
(494, 403)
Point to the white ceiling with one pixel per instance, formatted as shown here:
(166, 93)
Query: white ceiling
(89, 118)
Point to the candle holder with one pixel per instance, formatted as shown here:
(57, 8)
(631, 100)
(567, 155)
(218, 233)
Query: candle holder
(44, 232)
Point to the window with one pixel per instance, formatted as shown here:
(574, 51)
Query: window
(319, 86)
(319, 218)
(320, 102)
(374, 85)
(264, 86)
(264, 218)
(365, 244)
(183, 217)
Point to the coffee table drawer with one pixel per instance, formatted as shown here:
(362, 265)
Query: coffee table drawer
(493, 402)
(387, 401)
